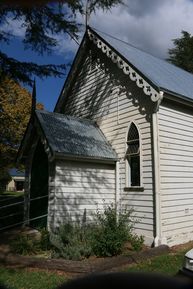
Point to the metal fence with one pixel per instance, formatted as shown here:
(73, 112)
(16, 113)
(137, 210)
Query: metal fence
(12, 211)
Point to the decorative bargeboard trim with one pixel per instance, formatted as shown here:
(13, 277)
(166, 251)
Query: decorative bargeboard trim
(126, 68)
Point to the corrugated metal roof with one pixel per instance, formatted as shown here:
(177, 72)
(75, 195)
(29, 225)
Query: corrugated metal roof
(165, 76)
(72, 136)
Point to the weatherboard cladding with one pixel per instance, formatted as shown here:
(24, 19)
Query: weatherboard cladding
(74, 137)
(163, 75)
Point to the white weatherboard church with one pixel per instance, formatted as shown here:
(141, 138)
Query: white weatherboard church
(121, 132)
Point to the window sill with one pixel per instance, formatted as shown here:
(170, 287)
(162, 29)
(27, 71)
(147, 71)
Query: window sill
(134, 189)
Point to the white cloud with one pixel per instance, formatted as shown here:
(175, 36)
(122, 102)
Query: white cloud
(66, 45)
(150, 29)
(14, 27)
(147, 24)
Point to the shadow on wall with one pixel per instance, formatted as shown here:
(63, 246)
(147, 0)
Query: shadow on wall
(82, 188)
(93, 91)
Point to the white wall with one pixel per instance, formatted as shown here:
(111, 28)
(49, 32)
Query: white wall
(176, 173)
(103, 93)
(81, 186)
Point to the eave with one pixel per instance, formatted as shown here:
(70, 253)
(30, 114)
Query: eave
(85, 158)
(149, 88)
(33, 131)
(71, 75)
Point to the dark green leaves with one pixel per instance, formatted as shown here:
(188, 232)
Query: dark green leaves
(182, 53)
(42, 22)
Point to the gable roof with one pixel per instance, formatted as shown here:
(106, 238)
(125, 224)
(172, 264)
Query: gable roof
(75, 137)
(162, 74)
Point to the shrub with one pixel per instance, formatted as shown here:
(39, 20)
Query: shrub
(44, 243)
(107, 236)
(72, 241)
(136, 242)
(111, 233)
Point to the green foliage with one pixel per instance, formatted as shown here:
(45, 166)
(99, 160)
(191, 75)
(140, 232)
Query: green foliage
(12, 194)
(104, 4)
(24, 245)
(30, 245)
(42, 23)
(15, 111)
(166, 264)
(136, 241)
(27, 279)
(44, 242)
(4, 178)
(182, 53)
(107, 236)
(73, 241)
(112, 232)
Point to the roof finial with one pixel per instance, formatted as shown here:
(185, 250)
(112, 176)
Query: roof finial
(87, 13)
(33, 107)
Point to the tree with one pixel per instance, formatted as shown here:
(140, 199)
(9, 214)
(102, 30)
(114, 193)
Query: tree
(182, 53)
(42, 22)
(15, 111)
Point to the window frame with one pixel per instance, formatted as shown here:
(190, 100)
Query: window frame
(128, 185)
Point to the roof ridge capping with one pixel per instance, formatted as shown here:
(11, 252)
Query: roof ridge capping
(140, 49)
(125, 66)
(85, 120)
(125, 42)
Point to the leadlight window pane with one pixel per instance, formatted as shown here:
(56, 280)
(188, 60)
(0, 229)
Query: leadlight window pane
(133, 148)
(135, 170)
(133, 140)
(133, 155)
(133, 133)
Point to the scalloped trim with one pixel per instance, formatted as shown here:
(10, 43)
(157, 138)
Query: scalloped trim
(127, 69)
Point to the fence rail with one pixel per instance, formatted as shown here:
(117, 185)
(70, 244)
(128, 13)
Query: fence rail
(12, 214)
(8, 199)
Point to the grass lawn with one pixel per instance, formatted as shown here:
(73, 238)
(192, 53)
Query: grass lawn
(166, 264)
(12, 194)
(27, 279)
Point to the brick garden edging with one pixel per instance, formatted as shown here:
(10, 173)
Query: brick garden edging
(81, 267)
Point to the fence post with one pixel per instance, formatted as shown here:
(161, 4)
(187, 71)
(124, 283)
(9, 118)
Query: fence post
(27, 195)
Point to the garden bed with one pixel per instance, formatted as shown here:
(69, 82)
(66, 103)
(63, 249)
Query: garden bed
(80, 267)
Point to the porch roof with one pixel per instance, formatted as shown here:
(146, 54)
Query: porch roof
(76, 137)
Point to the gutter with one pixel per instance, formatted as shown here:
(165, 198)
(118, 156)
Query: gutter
(73, 157)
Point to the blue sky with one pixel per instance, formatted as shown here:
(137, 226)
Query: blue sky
(147, 24)
(49, 88)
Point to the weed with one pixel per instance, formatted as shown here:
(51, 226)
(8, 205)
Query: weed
(29, 245)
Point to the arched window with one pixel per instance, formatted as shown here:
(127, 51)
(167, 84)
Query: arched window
(133, 156)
